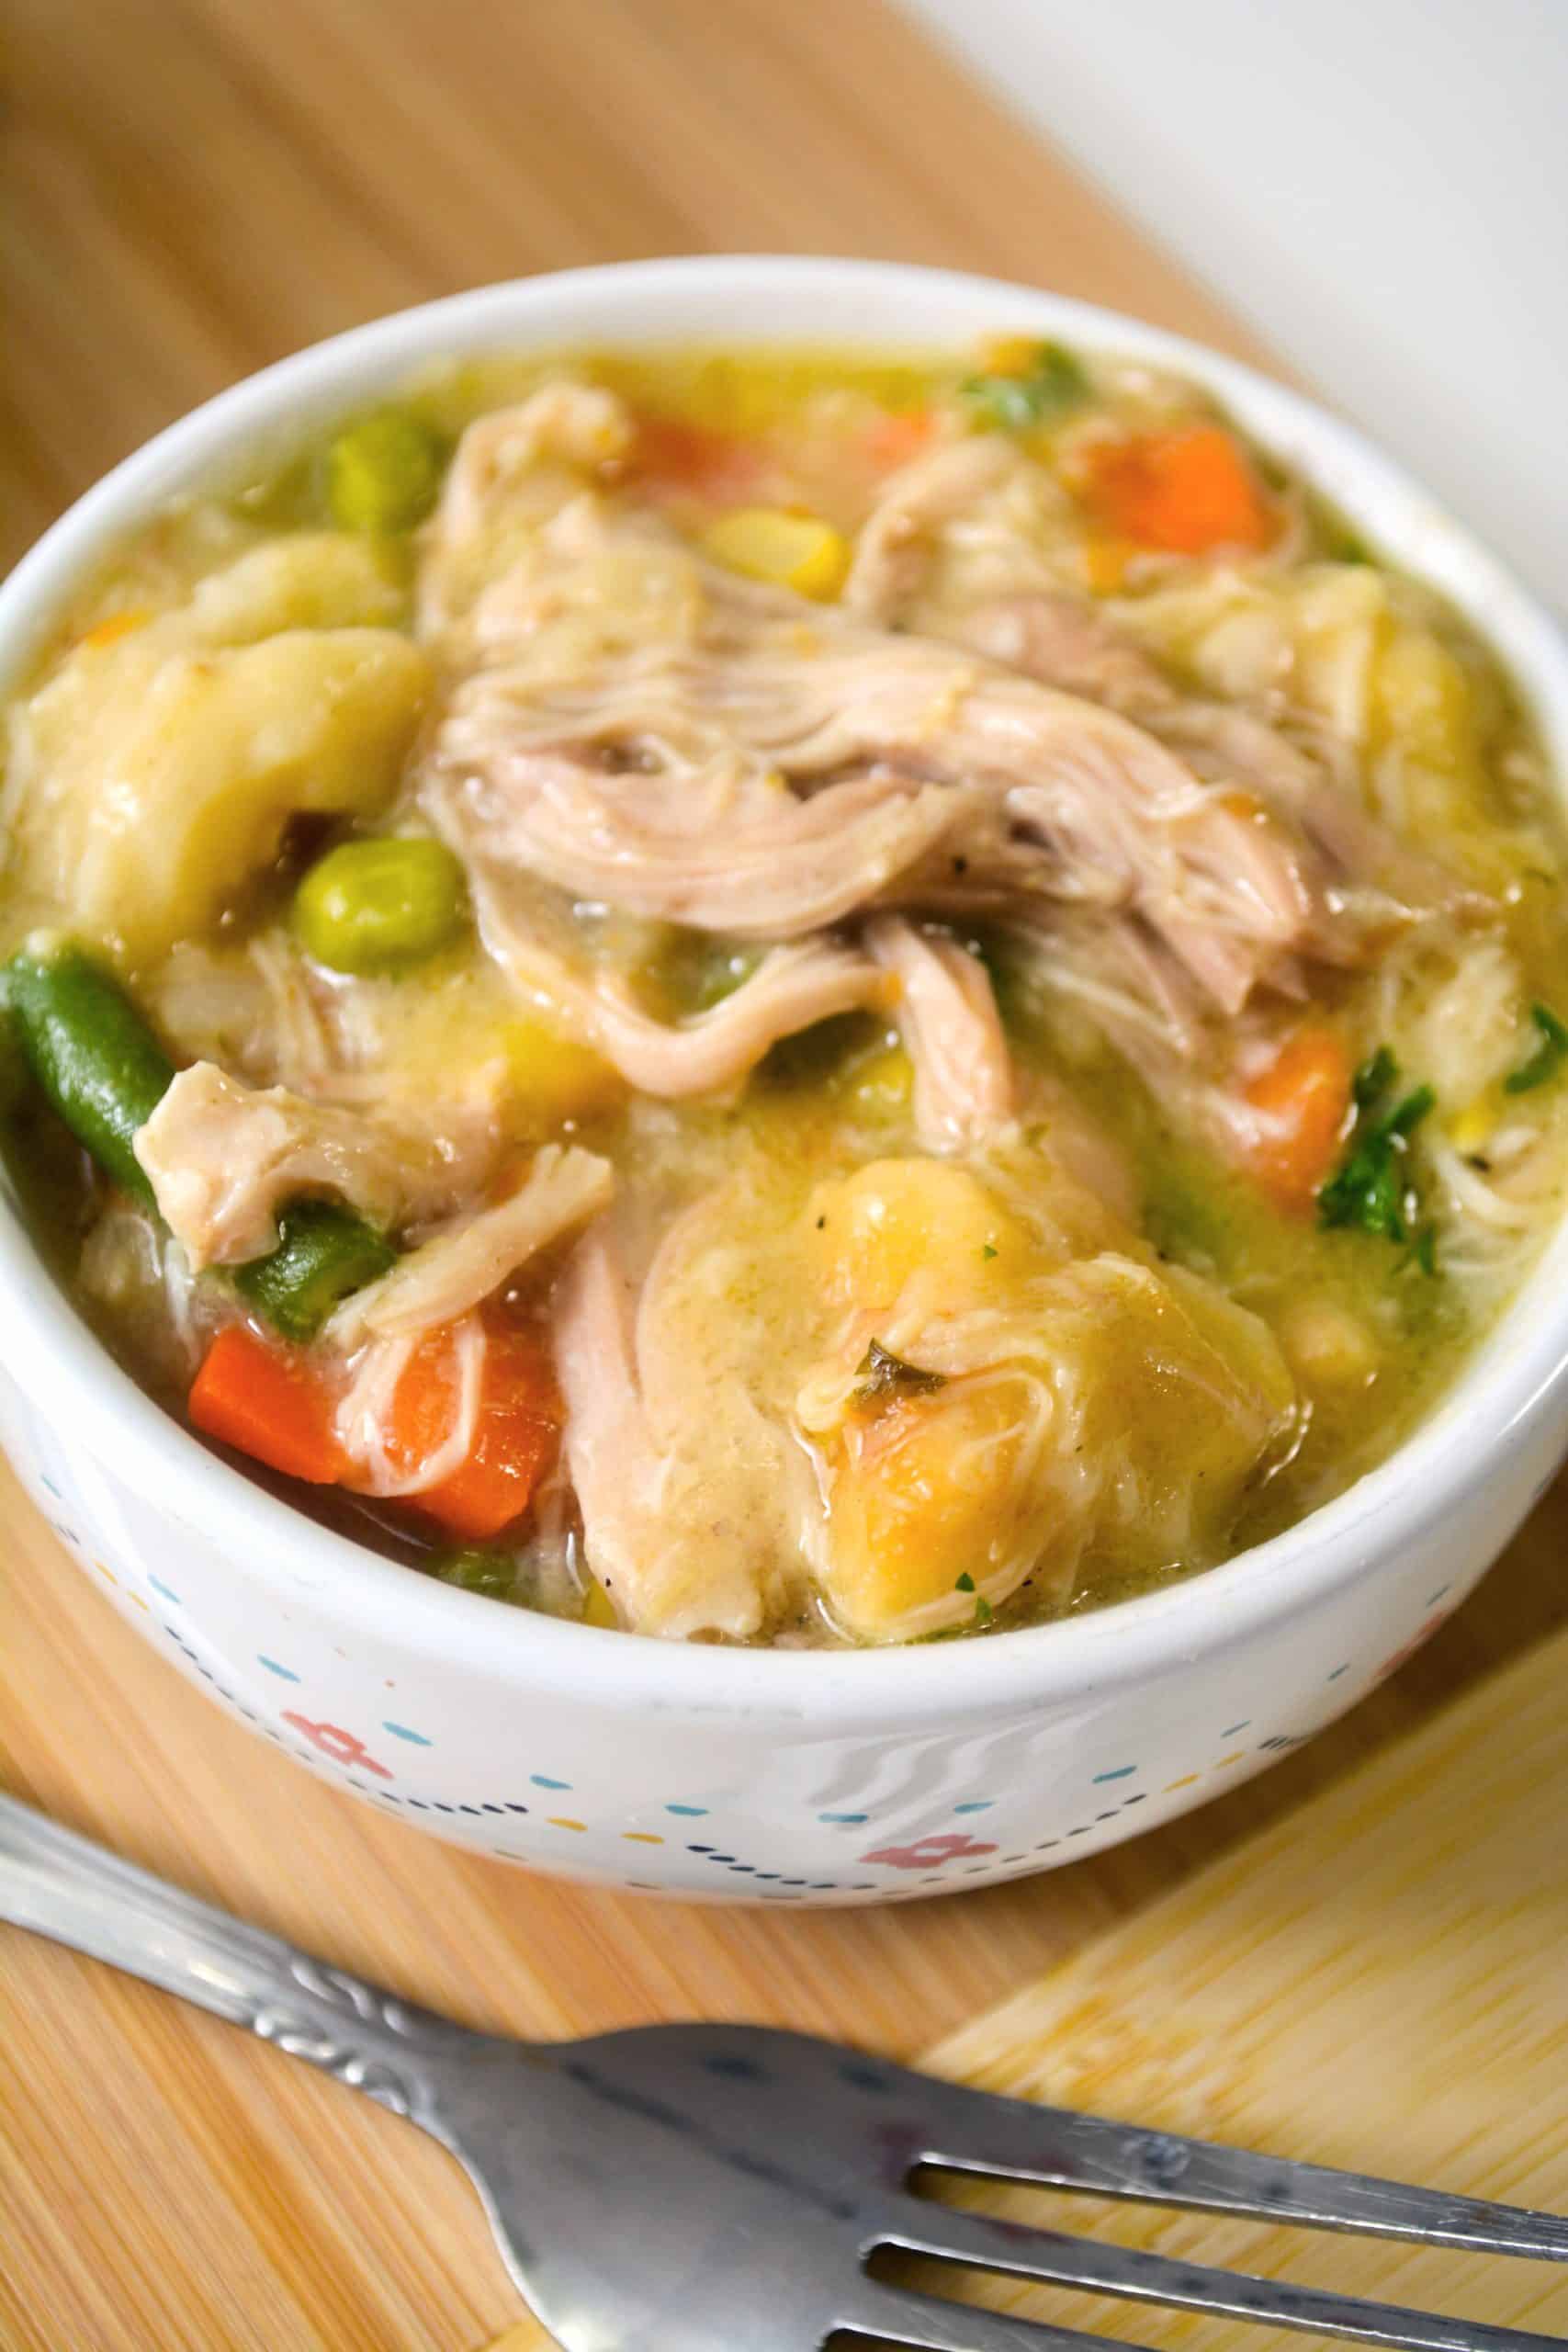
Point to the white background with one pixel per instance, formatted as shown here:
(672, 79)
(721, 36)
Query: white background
(1379, 187)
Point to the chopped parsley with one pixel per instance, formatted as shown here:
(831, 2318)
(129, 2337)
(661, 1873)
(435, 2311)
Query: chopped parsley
(1551, 1053)
(1423, 1250)
(1373, 1189)
(1054, 383)
(966, 1583)
(881, 1374)
(988, 1249)
(984, 1613)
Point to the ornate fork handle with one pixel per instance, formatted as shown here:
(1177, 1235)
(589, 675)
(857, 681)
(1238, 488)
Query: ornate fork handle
(63, 1886)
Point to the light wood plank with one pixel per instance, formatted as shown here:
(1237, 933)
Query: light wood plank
(1376, 1982)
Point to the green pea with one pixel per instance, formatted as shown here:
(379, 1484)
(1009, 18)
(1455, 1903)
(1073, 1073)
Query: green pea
(374, 906)
(383, 474)
(95, 1059)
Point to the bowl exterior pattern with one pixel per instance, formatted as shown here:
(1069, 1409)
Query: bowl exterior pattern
(696, 1803)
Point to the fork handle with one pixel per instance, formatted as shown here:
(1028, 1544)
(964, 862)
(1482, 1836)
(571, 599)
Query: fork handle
(60, 1884)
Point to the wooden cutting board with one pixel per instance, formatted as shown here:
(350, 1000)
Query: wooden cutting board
(1377, 1982)
(192, 187)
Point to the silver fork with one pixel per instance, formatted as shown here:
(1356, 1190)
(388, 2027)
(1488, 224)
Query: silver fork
(686, 2187)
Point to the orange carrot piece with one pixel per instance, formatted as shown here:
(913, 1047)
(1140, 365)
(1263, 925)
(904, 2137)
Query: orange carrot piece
(269, 1402)
(1304, 1094)
(514, 1441)
(694, 459)
(899, 436)
(1183, 491)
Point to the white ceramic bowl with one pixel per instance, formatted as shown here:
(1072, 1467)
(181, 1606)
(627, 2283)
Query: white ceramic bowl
(784, 1776)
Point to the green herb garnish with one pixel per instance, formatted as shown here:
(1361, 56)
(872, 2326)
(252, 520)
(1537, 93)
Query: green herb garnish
(1373, 1189)
(988, 1249)
(882, 1373)
(966, 1583)
(1551, 1053)
(1422, 1250)
(984, 1613)
(1053, 385)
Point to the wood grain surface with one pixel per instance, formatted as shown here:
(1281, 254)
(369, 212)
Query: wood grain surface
(192, 187)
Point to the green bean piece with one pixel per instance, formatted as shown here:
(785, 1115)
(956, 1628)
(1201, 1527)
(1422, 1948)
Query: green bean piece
(376, 906)
(383, 474)
(104, 1072)
(90, 1050)
(476, 1570)
(324, 1251)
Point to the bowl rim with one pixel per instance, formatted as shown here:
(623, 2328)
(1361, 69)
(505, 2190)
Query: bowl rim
(1516, 1377)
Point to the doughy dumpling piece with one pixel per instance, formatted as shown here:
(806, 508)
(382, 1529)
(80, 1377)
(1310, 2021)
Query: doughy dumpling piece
(157, 767)
(1019, 1406)
(310, 580)
(151, 803)
(928, 1489)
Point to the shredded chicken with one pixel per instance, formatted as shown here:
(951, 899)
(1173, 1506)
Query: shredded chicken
(898, 541)
(511, 469)
(947, 1017)
(365, 1415)
(1066, 642)
(633, 725)
(808, 980)
(682, 1482)
(1008, 796)
(223, 1159)
(463, 1263)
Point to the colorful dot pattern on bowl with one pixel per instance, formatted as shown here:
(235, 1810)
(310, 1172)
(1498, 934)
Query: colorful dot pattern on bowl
(906, 1867)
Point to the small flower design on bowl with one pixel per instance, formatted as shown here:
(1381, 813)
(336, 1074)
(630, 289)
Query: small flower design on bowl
(927, 1853)
(343, 1747)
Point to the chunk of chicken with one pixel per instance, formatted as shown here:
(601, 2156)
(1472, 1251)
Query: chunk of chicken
(512, 468)
(900, 539)
(807, 981)
(1007, 795)
(463, 1263)
(689, 1492)
(223, 1158)
(947, 1017)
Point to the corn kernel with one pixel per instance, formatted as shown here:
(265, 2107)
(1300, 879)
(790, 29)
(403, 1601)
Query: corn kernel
(1009, 355)
(1470, 1130)
(554, 1077)
(798, 551)
(598, 1609)
(882, 1083)
(1105, 566)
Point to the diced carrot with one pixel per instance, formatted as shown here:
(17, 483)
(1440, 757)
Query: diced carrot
(899, 436)
(1184, 492)
(695, 458)
(1304, 1095)
(268, 1401)
(514, 1441)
